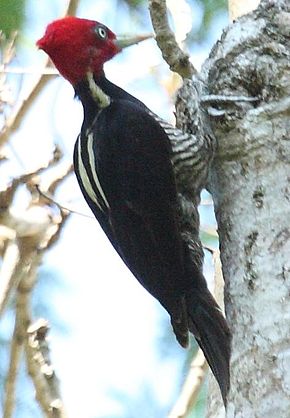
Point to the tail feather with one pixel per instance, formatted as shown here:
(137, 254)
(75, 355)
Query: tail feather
(208, 325)
(180, 324)
(202, 316)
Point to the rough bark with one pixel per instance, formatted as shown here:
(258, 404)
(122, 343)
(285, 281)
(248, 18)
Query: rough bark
(250, 184)
(244, 86)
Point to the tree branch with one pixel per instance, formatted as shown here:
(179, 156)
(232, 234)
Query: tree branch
(39, 383)
(177, 59)
(7, 272)
(24, 237)
(31, 254)
(40, 81)
(15, 357)
(71, 8)
(250, 186)
(191, 387)
(41, 370)
(14, 121)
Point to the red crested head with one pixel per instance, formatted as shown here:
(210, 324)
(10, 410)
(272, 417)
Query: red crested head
(78, 46)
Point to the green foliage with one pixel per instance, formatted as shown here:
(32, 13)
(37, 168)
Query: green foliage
(133, 3)
(11, 15)
(210, 9)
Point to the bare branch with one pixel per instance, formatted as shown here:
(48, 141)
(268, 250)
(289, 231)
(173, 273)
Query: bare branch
(7, 195)
(30, 71)
(32, 258)
(24, 237)
(38, 381)
(19, 267)
(32, 366)
(55, 183)
(27, 279)
(14, 121)
(191, 387)
(61, 207)
(8, 278)
(36, 226)
(71, 8)
(177, 59)
(15, 357)
(42, 371)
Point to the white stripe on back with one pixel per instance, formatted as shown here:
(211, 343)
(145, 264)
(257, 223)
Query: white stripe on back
(85, 178)
(93, 168)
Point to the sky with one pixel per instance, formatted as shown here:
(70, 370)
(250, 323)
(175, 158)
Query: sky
(114, 328)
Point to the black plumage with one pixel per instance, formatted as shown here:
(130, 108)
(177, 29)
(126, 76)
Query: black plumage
(123, 164)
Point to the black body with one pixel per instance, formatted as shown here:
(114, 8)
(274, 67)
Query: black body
(123, 165)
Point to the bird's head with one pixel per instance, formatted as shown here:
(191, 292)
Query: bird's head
(79, 46)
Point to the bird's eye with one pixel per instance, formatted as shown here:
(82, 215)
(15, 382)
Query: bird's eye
(101, 31)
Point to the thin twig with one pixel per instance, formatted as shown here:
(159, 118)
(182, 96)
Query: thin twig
(50, 199)
(177, 59)
(55, 183)
(7, 195)
(31, 71)
(14, 121)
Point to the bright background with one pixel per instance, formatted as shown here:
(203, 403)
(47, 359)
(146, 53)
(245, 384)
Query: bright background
(112, 344)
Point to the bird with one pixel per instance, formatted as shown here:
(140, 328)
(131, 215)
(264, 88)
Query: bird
(123, 164)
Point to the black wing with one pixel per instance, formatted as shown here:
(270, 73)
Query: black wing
(132, 158)
(125, 173)
(90, 188)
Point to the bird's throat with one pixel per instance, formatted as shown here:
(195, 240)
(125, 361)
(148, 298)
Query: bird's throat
(99, 96)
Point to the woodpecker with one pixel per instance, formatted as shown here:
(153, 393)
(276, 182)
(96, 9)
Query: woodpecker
(122, 161)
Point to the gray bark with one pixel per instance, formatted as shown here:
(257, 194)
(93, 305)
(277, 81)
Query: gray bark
(250, 183)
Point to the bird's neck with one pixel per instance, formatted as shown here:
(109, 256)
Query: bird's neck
(97, 92)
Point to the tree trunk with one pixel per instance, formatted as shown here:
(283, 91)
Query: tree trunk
(250, 184)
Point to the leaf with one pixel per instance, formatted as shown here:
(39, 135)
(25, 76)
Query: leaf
(11, 15)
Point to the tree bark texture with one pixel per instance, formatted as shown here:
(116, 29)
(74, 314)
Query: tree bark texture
(238, 110)
(250, 184)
